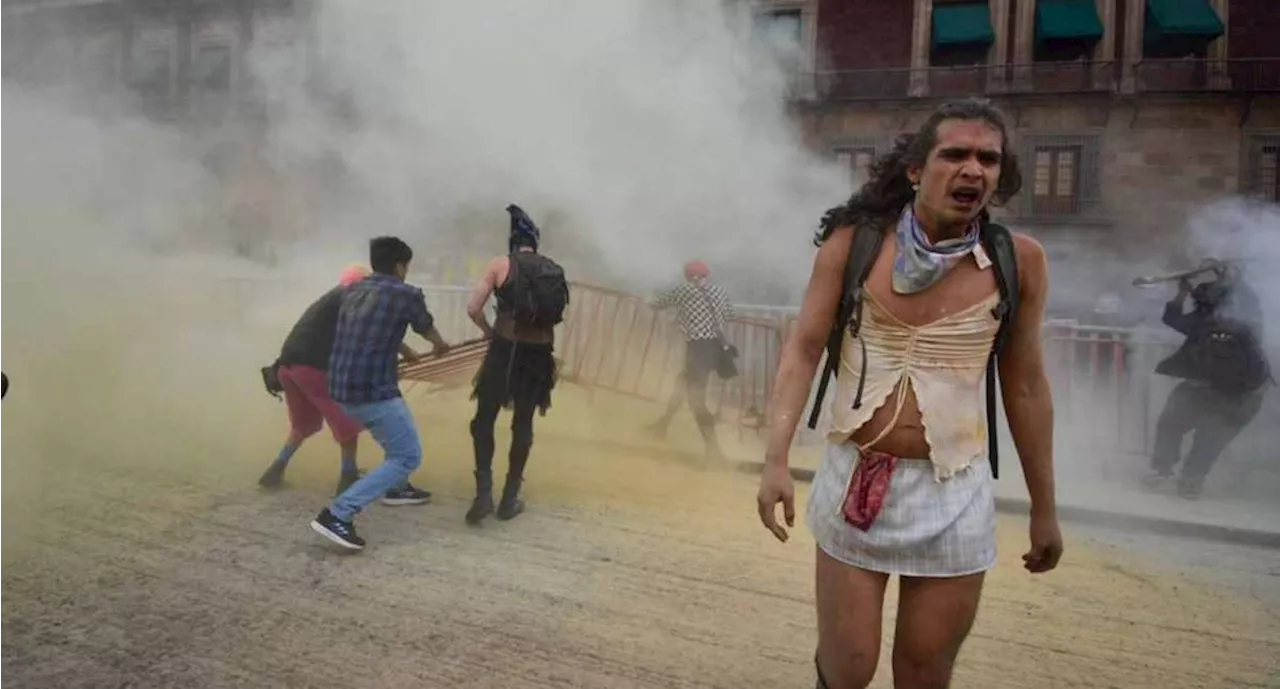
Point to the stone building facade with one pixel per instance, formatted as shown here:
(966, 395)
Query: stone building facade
(182, 60)
(1127, 115)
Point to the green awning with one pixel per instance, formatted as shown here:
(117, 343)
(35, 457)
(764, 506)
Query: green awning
(966, 24)
(1067, 20)
(1182, 19)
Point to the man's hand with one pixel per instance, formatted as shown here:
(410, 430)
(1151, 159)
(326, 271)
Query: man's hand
(408, 354)
(776, 487)
(1046, 544)
(1184, 289)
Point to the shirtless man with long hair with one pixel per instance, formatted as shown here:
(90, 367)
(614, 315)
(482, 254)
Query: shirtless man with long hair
(905, 486)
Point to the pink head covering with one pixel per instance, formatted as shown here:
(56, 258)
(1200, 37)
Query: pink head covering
(352, 274)
(696, 269)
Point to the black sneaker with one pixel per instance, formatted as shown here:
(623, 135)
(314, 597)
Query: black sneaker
(346, 480)
(1157, 479)
(406, 496)
(336, 530)
(1190, 489)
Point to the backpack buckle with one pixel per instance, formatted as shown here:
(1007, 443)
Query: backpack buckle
(1001, 310)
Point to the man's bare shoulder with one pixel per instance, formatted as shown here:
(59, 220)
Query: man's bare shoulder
(1033, 264)
(1031, 253)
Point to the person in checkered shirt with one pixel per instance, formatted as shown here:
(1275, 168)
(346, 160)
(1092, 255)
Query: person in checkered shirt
(372, 320)
(702, 308)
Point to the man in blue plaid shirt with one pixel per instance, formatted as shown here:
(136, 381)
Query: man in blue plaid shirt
(372, 321)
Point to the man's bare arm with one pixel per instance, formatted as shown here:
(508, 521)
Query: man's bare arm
(1028, 401)
(480, 295)
(803, 350)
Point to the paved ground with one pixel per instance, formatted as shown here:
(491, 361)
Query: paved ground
(151, 560)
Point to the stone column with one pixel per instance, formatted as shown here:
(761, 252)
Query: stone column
(1134, 22)
(998, 58)
(808, 85)
(918, 84)
(1218, 52)
(1023, 45)
(1104, 53)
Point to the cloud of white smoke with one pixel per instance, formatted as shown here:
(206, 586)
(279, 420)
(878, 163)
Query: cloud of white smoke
(639, 133)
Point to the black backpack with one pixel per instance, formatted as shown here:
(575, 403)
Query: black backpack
(1229, 356)
(998, 243)
(539, 293)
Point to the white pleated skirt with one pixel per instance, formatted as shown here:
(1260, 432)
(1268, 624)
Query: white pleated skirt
(926, 528)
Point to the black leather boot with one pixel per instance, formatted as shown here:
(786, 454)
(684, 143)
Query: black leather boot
(511, 504)
(482, 506)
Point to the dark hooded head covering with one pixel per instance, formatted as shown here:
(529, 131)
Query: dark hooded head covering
(1209, 295)
(523, 230)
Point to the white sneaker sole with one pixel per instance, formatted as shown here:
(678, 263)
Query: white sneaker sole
(320, 529)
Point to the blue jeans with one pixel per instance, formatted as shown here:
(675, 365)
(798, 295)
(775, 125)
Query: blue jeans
(391, 425)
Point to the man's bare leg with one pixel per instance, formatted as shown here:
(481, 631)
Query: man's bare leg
(934, 618)
(850, 609)
(659, 427)
(273, 477)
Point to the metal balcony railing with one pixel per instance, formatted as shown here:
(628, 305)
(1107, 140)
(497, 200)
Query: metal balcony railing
(1258, 75)
(1261, 75)
(904, 82)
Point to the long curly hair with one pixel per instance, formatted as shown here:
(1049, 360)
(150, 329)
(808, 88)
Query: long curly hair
(879, 202)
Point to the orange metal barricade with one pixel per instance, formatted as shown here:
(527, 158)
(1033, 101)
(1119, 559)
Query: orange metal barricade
(614, 341)
(1106, 395)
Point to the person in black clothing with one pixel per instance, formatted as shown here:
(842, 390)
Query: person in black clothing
(518, 371)
(1212, 406)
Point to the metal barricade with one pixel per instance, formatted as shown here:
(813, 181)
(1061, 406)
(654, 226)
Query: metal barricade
(614, 341)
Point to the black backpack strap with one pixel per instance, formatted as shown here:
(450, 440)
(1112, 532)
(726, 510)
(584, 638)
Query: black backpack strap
(997, 241)
(863, 252)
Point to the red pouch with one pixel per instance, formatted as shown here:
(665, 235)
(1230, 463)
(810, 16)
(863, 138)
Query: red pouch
(868, 488)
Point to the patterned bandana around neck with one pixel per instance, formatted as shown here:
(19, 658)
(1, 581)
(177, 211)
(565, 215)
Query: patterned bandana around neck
(919, 264)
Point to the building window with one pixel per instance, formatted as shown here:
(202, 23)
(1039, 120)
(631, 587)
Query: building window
(151, 73)
(1262, 167)
(1062, 172)
(211, 69)
(857, 162)
(780, 28)
(1269, 173)
(961, 33)
(780, 34)
(1057, 180)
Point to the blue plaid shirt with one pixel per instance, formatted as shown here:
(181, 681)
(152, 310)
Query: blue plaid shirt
(371, 326)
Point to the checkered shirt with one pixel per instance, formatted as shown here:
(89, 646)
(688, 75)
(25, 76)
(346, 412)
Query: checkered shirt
(701, 311)
(372, 320)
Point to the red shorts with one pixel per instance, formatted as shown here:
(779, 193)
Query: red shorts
(306, 394)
